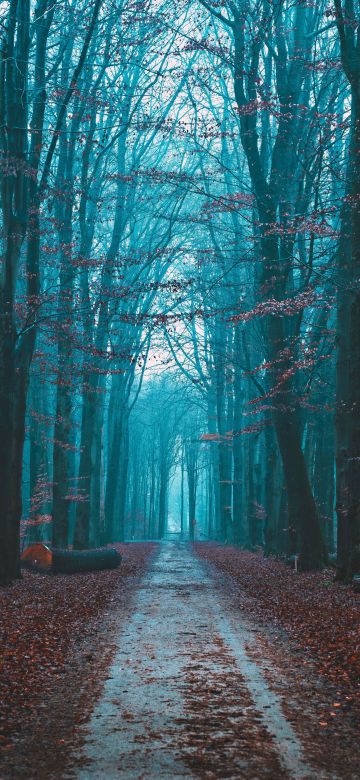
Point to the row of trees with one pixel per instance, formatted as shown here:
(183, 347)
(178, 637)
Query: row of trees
(292, 103)
(181, 182)
(264, 314)
(84, 254)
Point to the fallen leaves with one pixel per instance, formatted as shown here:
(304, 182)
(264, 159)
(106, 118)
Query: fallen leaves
(322, 616)
(48, 627)
(306, 641)
(221, 732)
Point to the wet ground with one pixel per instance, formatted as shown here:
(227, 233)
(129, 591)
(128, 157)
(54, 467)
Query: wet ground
(184, 697)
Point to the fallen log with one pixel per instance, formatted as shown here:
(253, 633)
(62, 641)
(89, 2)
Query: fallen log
(73, 561)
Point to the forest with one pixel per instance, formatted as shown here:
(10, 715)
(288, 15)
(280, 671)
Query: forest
(180, 310)
(180, 389)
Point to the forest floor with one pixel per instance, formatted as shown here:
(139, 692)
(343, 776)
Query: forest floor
(204, 663)
(307, 643)
(57, 638)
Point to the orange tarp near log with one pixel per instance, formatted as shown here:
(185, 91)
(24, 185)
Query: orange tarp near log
(38, 556)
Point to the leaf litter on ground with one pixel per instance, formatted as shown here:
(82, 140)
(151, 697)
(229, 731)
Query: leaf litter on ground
(55, 648)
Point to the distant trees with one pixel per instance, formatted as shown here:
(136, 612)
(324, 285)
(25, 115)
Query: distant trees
(156, 425)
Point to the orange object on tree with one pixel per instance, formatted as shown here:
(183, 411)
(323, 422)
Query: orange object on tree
(37, 555)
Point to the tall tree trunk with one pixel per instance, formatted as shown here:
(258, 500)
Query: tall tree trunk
(123, 479)
(14, 202)
(182, 494)
(215, 467)
(63, 430)
(348, 368)
(270, 530)
(91, 379)
(237, 447)
(348, 356)
(275, 201)
(192, 480)
(224, 446)
(163, 487)
(324, 483)
(116, 455)
(97, 476)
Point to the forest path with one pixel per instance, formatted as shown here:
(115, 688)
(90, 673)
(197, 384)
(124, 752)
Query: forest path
(183, 697)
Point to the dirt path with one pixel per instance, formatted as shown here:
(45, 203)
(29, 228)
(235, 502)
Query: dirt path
(183, 696)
